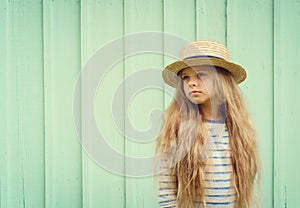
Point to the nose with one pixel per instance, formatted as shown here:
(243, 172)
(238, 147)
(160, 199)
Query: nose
(193, 82)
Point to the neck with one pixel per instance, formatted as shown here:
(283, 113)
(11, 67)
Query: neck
(208, 114)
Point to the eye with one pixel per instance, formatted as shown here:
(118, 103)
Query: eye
(184, 77)
(201, 74)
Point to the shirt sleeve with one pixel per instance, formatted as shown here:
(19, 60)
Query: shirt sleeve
(167, 191)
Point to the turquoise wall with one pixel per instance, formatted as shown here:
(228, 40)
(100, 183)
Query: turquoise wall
(46, 44)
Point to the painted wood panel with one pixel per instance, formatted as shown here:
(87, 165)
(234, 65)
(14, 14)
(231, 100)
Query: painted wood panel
(140, 103)
(211, 20)
(61, 58)
(102, 23)
(250, 43)
(183, 26)
(45, 44)
(286, 103)
(22, 123)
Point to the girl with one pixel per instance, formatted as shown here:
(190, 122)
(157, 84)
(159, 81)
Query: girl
(207, 143)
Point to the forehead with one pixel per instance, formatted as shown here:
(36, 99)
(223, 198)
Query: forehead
(196, 69)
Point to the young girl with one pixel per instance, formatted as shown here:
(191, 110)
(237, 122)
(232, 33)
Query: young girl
(207, 143)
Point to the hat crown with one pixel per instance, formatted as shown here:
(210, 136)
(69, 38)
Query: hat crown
(199, 53)
(204, 48)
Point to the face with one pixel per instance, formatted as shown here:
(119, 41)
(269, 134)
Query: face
(198, 84)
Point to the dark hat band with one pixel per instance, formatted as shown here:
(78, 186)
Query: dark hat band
(203, 56)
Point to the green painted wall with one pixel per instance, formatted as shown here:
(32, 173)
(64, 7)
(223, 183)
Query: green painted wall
(45, 44)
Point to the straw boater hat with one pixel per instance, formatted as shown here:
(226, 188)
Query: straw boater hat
(203, 53)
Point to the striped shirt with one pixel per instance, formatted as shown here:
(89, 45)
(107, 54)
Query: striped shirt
(219, 189)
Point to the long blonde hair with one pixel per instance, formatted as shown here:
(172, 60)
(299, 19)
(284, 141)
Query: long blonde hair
(183, 139)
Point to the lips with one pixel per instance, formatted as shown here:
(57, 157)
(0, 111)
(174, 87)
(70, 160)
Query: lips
(195, 92)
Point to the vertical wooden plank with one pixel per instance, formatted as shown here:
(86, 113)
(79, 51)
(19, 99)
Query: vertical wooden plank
(250, 43)
(211, 20)
(286, 103)
(61, 24)
(3, 105)
(102, 23)
(179, 20)
(14, 162)
(30, 101)
(22, 182)
(14, 190)
(141, 17)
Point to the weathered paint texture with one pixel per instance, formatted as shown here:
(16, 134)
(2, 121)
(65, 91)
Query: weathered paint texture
(44, 44)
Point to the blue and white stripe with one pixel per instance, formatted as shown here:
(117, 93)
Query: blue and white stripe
(219, 188)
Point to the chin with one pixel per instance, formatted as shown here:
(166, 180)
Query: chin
(197, 102)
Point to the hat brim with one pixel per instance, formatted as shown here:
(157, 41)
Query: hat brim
(170, 72)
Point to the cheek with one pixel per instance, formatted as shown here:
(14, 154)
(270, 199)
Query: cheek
(209, 86)
(185, 89)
